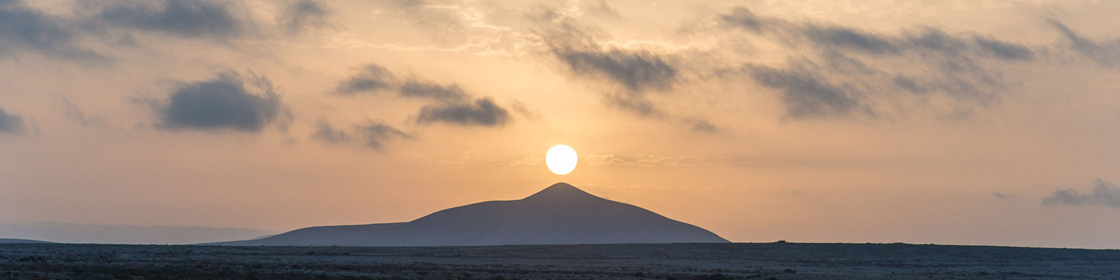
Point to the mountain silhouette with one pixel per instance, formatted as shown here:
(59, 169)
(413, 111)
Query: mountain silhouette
(559, 214)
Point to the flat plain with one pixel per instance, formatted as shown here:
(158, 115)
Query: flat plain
(617, 261)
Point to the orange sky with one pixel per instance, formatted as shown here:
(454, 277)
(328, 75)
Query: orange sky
(961, 122)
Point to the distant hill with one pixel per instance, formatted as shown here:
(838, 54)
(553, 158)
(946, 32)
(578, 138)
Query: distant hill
(20, 241)
(559, 214)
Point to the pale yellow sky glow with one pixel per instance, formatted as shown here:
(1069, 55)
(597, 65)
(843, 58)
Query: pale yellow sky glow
(958, 122)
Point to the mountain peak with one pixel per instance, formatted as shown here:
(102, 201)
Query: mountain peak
(560, 191)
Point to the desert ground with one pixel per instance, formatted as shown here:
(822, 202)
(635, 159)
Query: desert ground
(622, 261)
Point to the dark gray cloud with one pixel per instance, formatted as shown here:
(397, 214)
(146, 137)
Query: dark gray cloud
(743, 18)
(1105, 53)
(374, 134)
(850, 39)
(633, 70)
(430, 90)
(222, 103)
(483, 112)
(22, 28)
(11, 123)
(1104, 193)
(302, 15)
(452, 102)
(632, 73)
(373, 78)
(370, 79)
(842, 77)
(922, 40)
(1004, 50)
(183, 18)
(804, 92)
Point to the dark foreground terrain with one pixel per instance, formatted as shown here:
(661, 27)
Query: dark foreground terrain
(663, 261)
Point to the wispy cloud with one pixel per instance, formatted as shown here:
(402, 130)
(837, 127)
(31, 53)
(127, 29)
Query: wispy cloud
(372, 134)
(847, 73)
(11, 123)
(25, 29)
(1103, 193)
(303, 15)
(1003, 196)
(1106, 53)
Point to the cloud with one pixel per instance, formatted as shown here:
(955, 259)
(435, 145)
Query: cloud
(11, 123)
(804, 92)
(302, 15)
(370, 79)
(921, 40)
(631, 73)
(636, 103)
(373, 78)
(1004, 50)
(1104, 193)
(452, 106)
(1002, 196)
(373, 134)
(850, 38)
(700, 125)
(600, 9)
(183, 18)
(76, 114)
(634, 70)
(443, 24)
(649, 160)
(223, 102)
(524, 110)
(483, 112)
(22, 28)
(1106, 54)
(850, 71)
(469, 159)
(434, 91)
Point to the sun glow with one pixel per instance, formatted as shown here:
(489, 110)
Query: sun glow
(561, 159)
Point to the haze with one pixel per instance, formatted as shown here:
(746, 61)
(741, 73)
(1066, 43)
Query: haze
(960, 122)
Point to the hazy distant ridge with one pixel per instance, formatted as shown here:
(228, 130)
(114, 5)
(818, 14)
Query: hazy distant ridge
(19, 241)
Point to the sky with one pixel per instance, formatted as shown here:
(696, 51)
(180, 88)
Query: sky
(948, 122)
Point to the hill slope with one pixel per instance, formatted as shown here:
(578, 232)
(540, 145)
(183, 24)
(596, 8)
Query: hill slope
(560, 214)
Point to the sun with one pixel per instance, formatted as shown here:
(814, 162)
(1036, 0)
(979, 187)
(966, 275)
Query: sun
(561, 159)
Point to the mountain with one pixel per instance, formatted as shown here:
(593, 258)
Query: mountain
(559, 214)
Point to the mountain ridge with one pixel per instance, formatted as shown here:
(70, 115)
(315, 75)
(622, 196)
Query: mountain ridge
(559, 214)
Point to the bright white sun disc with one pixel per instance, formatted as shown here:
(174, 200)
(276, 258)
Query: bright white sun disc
(561, 159)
